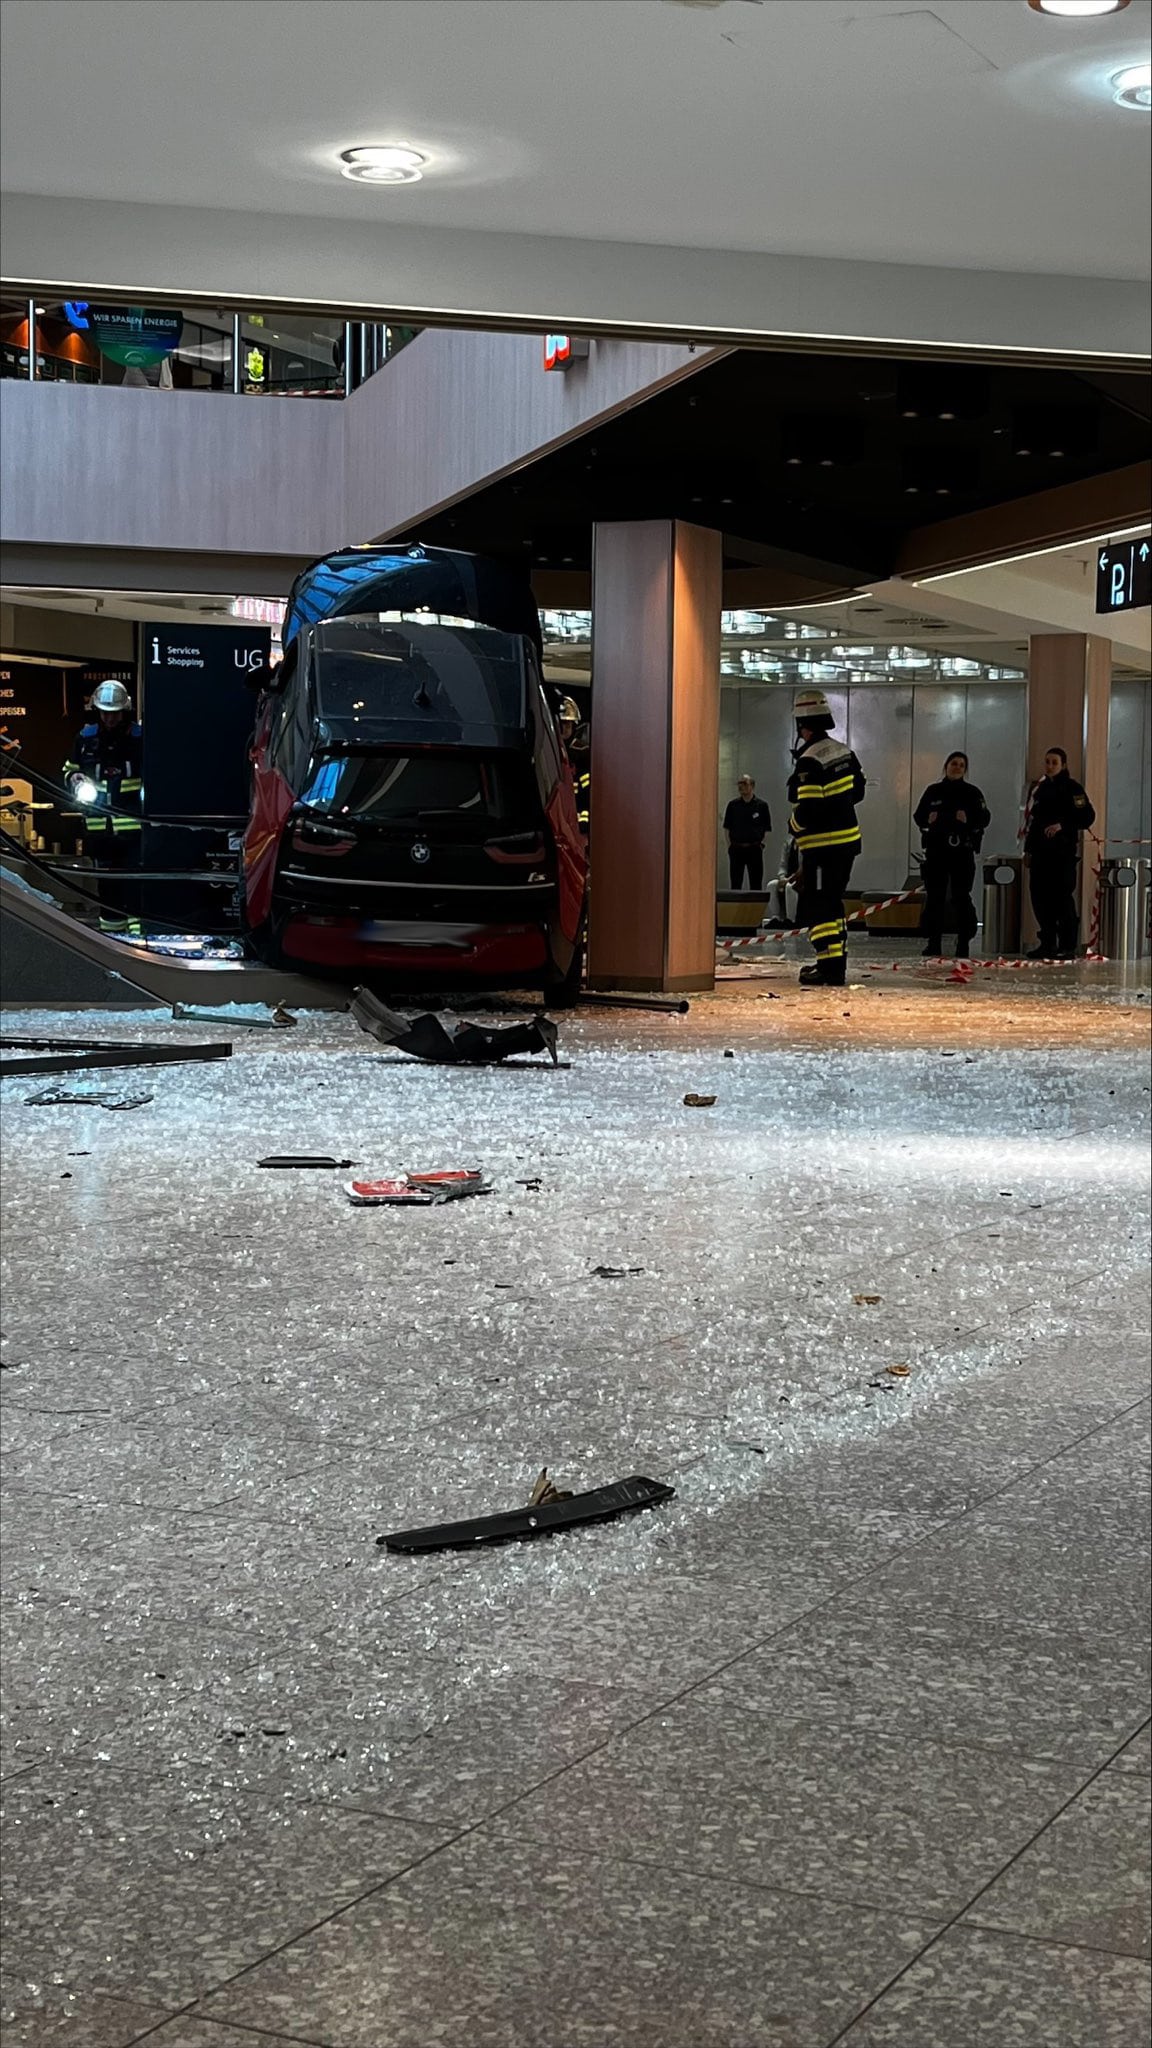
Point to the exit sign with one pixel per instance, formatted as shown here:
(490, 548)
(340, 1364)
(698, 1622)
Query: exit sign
(562, 349)
(1124, 575)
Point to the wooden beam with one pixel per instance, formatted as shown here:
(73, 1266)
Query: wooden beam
(1047, 519)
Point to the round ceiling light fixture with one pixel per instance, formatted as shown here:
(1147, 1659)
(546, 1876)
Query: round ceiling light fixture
(383, 165)
(1077, 10)
(1132, 87)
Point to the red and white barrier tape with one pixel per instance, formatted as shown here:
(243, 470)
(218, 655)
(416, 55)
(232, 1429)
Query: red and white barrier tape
(792, 931)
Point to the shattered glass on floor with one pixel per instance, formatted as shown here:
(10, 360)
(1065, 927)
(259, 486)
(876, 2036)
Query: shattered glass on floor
(898, 1265)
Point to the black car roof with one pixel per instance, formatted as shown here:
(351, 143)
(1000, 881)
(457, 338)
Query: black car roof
(391, 574)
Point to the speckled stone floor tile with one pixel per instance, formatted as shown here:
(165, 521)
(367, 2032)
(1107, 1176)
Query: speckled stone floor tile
(979, 1990)
(190, 2032)
(1035, 1570)
(41, 2014)
(515, 1950)
(1038, 1693)
(1137, 1754)
(370, 1733)
(1087, 1880)
(811, 1807)
(161, 1889)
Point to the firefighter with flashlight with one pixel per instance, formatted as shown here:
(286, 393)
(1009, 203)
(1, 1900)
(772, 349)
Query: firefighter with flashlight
(104, 777)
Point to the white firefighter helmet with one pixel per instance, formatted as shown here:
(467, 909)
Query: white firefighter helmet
(110, 696)
(810, 706)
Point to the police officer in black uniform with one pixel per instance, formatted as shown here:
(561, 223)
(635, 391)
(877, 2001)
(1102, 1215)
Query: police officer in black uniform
(747, 822)
(104, 775)
(953, 818)
(1058, 812)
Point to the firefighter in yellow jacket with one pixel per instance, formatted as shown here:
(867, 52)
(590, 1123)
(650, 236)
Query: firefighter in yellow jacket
(825, 787)
(103, 774)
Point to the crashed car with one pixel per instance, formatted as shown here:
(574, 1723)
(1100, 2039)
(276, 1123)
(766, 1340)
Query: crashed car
(413, 818)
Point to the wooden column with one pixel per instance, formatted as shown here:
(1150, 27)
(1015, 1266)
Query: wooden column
(1069, 699)
(656, 597)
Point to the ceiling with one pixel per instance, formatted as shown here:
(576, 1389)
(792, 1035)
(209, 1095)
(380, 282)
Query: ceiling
(814, 465)
(972, 133)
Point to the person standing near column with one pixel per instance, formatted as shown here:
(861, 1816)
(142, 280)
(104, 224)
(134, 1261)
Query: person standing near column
(747, 822)
(1058, 812)
(953, 818)
(825, 787)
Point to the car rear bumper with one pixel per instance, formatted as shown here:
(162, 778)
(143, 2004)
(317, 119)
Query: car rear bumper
(418, 951)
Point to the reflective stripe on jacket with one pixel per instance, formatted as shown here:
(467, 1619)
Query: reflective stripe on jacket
(825, 787)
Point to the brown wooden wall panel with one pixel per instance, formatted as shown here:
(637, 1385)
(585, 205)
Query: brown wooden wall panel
(1068, 512)
(632, 654)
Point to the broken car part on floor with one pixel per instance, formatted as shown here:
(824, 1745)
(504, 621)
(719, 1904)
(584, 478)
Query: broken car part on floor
(603, 1504)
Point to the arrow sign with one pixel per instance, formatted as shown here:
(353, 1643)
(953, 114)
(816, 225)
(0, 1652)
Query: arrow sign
(1124, 575)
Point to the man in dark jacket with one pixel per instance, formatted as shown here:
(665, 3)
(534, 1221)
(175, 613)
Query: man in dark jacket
(1058, 812)
(747, 822)
(825, 787)
(953, 817)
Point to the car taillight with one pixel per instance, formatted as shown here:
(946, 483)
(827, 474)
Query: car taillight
(308, 837)
(521, 849)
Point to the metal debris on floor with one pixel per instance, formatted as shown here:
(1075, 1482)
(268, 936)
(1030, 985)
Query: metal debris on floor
(306, 1159)
(603, 1504)
(545, 1491)
(97, 1098)
(615, 1272)
(867, 1300)
(699, 1101)
(68, 1055)
(428, 1037)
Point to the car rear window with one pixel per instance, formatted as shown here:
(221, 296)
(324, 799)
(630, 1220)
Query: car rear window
(453, 680)
(453, 788)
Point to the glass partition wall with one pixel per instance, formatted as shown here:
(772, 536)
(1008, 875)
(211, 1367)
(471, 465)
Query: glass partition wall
(168, 347)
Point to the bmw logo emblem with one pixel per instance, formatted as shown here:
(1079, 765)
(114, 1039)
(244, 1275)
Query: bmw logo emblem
(421, 853)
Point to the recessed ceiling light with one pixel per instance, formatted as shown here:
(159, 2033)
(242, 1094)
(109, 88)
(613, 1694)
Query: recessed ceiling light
(372, 165)
(1132, 87)
(1081, 8)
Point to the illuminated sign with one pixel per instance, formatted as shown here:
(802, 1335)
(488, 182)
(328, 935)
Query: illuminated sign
(562, 349)
(134, 336)
(1124, 575)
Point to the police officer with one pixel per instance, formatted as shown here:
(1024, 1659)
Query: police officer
(1058, 812)
(953, 818)
(747, 822)
(574, 734)
(103, 774)
(825, 787)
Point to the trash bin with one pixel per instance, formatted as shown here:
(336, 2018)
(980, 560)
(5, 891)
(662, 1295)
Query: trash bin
(1002, 888)
(1125, 898)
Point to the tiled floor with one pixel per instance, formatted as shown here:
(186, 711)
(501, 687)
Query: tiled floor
(849, 1743)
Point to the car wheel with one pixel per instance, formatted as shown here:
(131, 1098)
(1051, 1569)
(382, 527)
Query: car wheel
(566, 989)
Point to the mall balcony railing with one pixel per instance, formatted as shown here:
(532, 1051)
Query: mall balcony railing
(171, 348)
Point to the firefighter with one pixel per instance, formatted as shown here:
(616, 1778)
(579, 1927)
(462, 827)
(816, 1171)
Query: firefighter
(574, 734)
(104, 776)
(1059, 810)
(825, 787)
